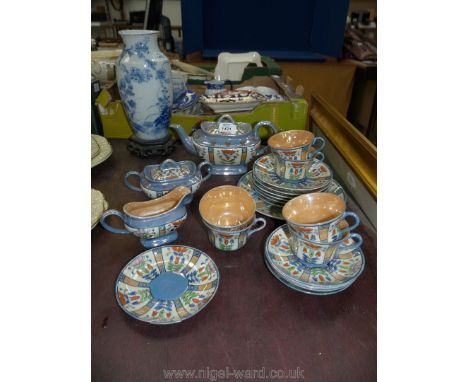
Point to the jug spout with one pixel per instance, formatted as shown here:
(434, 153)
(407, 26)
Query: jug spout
(186, 140)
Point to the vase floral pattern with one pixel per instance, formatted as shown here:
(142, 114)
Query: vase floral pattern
(348, 265)
(145, 84)
(134, 294)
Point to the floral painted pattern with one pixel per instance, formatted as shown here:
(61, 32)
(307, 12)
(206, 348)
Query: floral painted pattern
(180, 172)
(136, 299)
(318, 176)
(227, 156)
(279, 254)
(154, 232)
(228, 241)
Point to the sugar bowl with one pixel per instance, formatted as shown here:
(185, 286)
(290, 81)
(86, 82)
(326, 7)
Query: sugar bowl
(157, 180)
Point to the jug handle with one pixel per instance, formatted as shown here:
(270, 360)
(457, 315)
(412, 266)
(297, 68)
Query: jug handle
(208, 169)
(127, 182)
(108, 227)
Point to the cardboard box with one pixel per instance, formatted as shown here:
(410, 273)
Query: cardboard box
(286, 115)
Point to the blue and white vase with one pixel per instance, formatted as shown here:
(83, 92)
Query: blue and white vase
(145, 84)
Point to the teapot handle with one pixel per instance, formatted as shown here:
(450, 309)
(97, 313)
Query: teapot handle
(226, 116)
(269, 124)
(169, 163)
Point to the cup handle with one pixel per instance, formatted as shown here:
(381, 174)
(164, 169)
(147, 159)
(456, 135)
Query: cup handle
(348, 248)
(262, 225)
(208, 169)
(322, 145)
(127, 182)
(317, 156)
(357, 221)
(268, 124)
(108, 227)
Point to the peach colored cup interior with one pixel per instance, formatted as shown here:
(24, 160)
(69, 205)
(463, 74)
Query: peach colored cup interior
(291, 138)
(227, 206)
(313, 208)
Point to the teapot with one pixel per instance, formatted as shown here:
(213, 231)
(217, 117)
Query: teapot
(228, 145)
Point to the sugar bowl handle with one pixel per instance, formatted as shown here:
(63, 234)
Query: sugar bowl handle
(208, 169)
(168, 164)
(127, 182)
(108, 227)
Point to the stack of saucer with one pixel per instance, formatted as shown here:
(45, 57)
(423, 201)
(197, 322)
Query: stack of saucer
(291, 271)
(271, 192)
(316, 252)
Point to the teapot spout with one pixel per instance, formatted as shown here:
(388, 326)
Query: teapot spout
(186, 140)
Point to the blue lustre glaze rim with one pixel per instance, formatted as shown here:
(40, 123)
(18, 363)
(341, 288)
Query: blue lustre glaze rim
(173, 322)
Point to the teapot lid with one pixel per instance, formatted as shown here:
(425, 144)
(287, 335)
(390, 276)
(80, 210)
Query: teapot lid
(170, 170)
(225, 126)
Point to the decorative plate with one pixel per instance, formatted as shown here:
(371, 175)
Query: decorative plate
(186, 100)
(98, 206)
(262, 206)
(268, 209)
(167, 285)
(105, 150)
(232, 100)
(340, 272)
(318, 176)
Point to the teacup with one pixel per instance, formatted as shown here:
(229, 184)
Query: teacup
(229, 208)
(296, 170)
(317, 217)
(227, 240)
(317, 254)
(295, 144)
(155, 222)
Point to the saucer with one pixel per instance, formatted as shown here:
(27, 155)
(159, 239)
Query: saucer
(105, 150)
(262, 206)
(318, 176)
(340, 273)
(167, 285)
(301, 289)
